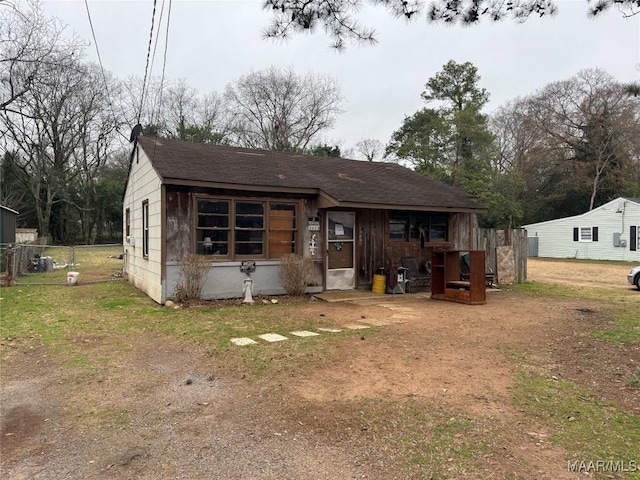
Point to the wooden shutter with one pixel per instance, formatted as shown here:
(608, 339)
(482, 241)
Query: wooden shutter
(281, 233)
(575, 234)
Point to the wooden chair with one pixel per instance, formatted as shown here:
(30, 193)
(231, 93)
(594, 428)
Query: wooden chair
(418, 278)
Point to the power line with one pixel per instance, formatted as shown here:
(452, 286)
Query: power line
(164, 65)
(146, 68)
(164, 57)
(104, 76)
(155, 45)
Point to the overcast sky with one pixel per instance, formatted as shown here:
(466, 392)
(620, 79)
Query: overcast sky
(214, 42)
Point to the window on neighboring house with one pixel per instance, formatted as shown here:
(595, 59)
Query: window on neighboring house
(428, 226)
(634, 238)
(585, 234)
(145, 228)
(127, 224)
(245, 229)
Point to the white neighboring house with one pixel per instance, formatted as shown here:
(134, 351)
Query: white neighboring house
(608, 232)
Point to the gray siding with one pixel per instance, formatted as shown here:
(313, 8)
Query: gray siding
(7, 225)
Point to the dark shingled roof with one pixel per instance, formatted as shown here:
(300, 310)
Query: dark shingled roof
(380, 185)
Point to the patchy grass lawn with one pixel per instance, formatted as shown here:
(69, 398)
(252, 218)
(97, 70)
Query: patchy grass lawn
(540, 376)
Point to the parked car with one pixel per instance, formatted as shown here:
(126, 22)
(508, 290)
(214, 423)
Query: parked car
(634, 276)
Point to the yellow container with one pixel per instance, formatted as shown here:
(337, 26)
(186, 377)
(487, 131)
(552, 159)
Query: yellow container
(379, 283)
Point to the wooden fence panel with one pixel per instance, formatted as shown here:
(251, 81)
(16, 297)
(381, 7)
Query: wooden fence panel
(490, 239)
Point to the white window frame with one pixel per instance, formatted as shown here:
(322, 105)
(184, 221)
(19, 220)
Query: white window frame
(583, 238)
(637, 239)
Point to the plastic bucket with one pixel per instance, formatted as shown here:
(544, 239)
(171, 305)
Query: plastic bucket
(379, 283)
(72, 278)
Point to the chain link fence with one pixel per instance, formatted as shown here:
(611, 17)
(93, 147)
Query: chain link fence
(50, 265)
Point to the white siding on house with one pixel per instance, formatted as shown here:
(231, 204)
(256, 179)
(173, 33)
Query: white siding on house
(143, 184)
(556, 237)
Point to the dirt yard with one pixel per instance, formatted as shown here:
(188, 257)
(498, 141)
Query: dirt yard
(164, 408)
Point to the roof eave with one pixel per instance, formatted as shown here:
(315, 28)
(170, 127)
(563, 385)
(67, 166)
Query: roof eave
(327, 201)
(238, 186)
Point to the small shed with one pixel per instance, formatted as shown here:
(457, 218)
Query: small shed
(26, 235)
(608, 232)
(8, 218)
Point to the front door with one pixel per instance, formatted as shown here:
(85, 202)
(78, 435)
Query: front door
(341, 272)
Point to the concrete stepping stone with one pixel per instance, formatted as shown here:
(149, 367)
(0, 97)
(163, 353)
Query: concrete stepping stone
(330, 330)
(304, 333)
(243, 341)
(273, 337)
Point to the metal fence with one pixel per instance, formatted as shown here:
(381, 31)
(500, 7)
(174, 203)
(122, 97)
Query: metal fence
(50, 265)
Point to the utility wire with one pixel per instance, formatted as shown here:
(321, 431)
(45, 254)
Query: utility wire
(155, 111)
(146, 68)
(164, 65)
(164, 58)
(104, 76)
(155, 44)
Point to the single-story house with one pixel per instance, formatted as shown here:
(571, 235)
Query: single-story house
(608, 232)
(8, 218)
(236, 205)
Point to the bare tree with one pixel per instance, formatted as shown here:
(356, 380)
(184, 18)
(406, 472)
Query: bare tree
(575, 144)
(592, 119)
(371, 149)
(97, 135)
(187, 115)
(29, 43)
(515, 135)
(278, 110)
(61, 137)
(176, 110)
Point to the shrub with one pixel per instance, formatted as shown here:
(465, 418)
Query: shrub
(295, 273)
(193, 273)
